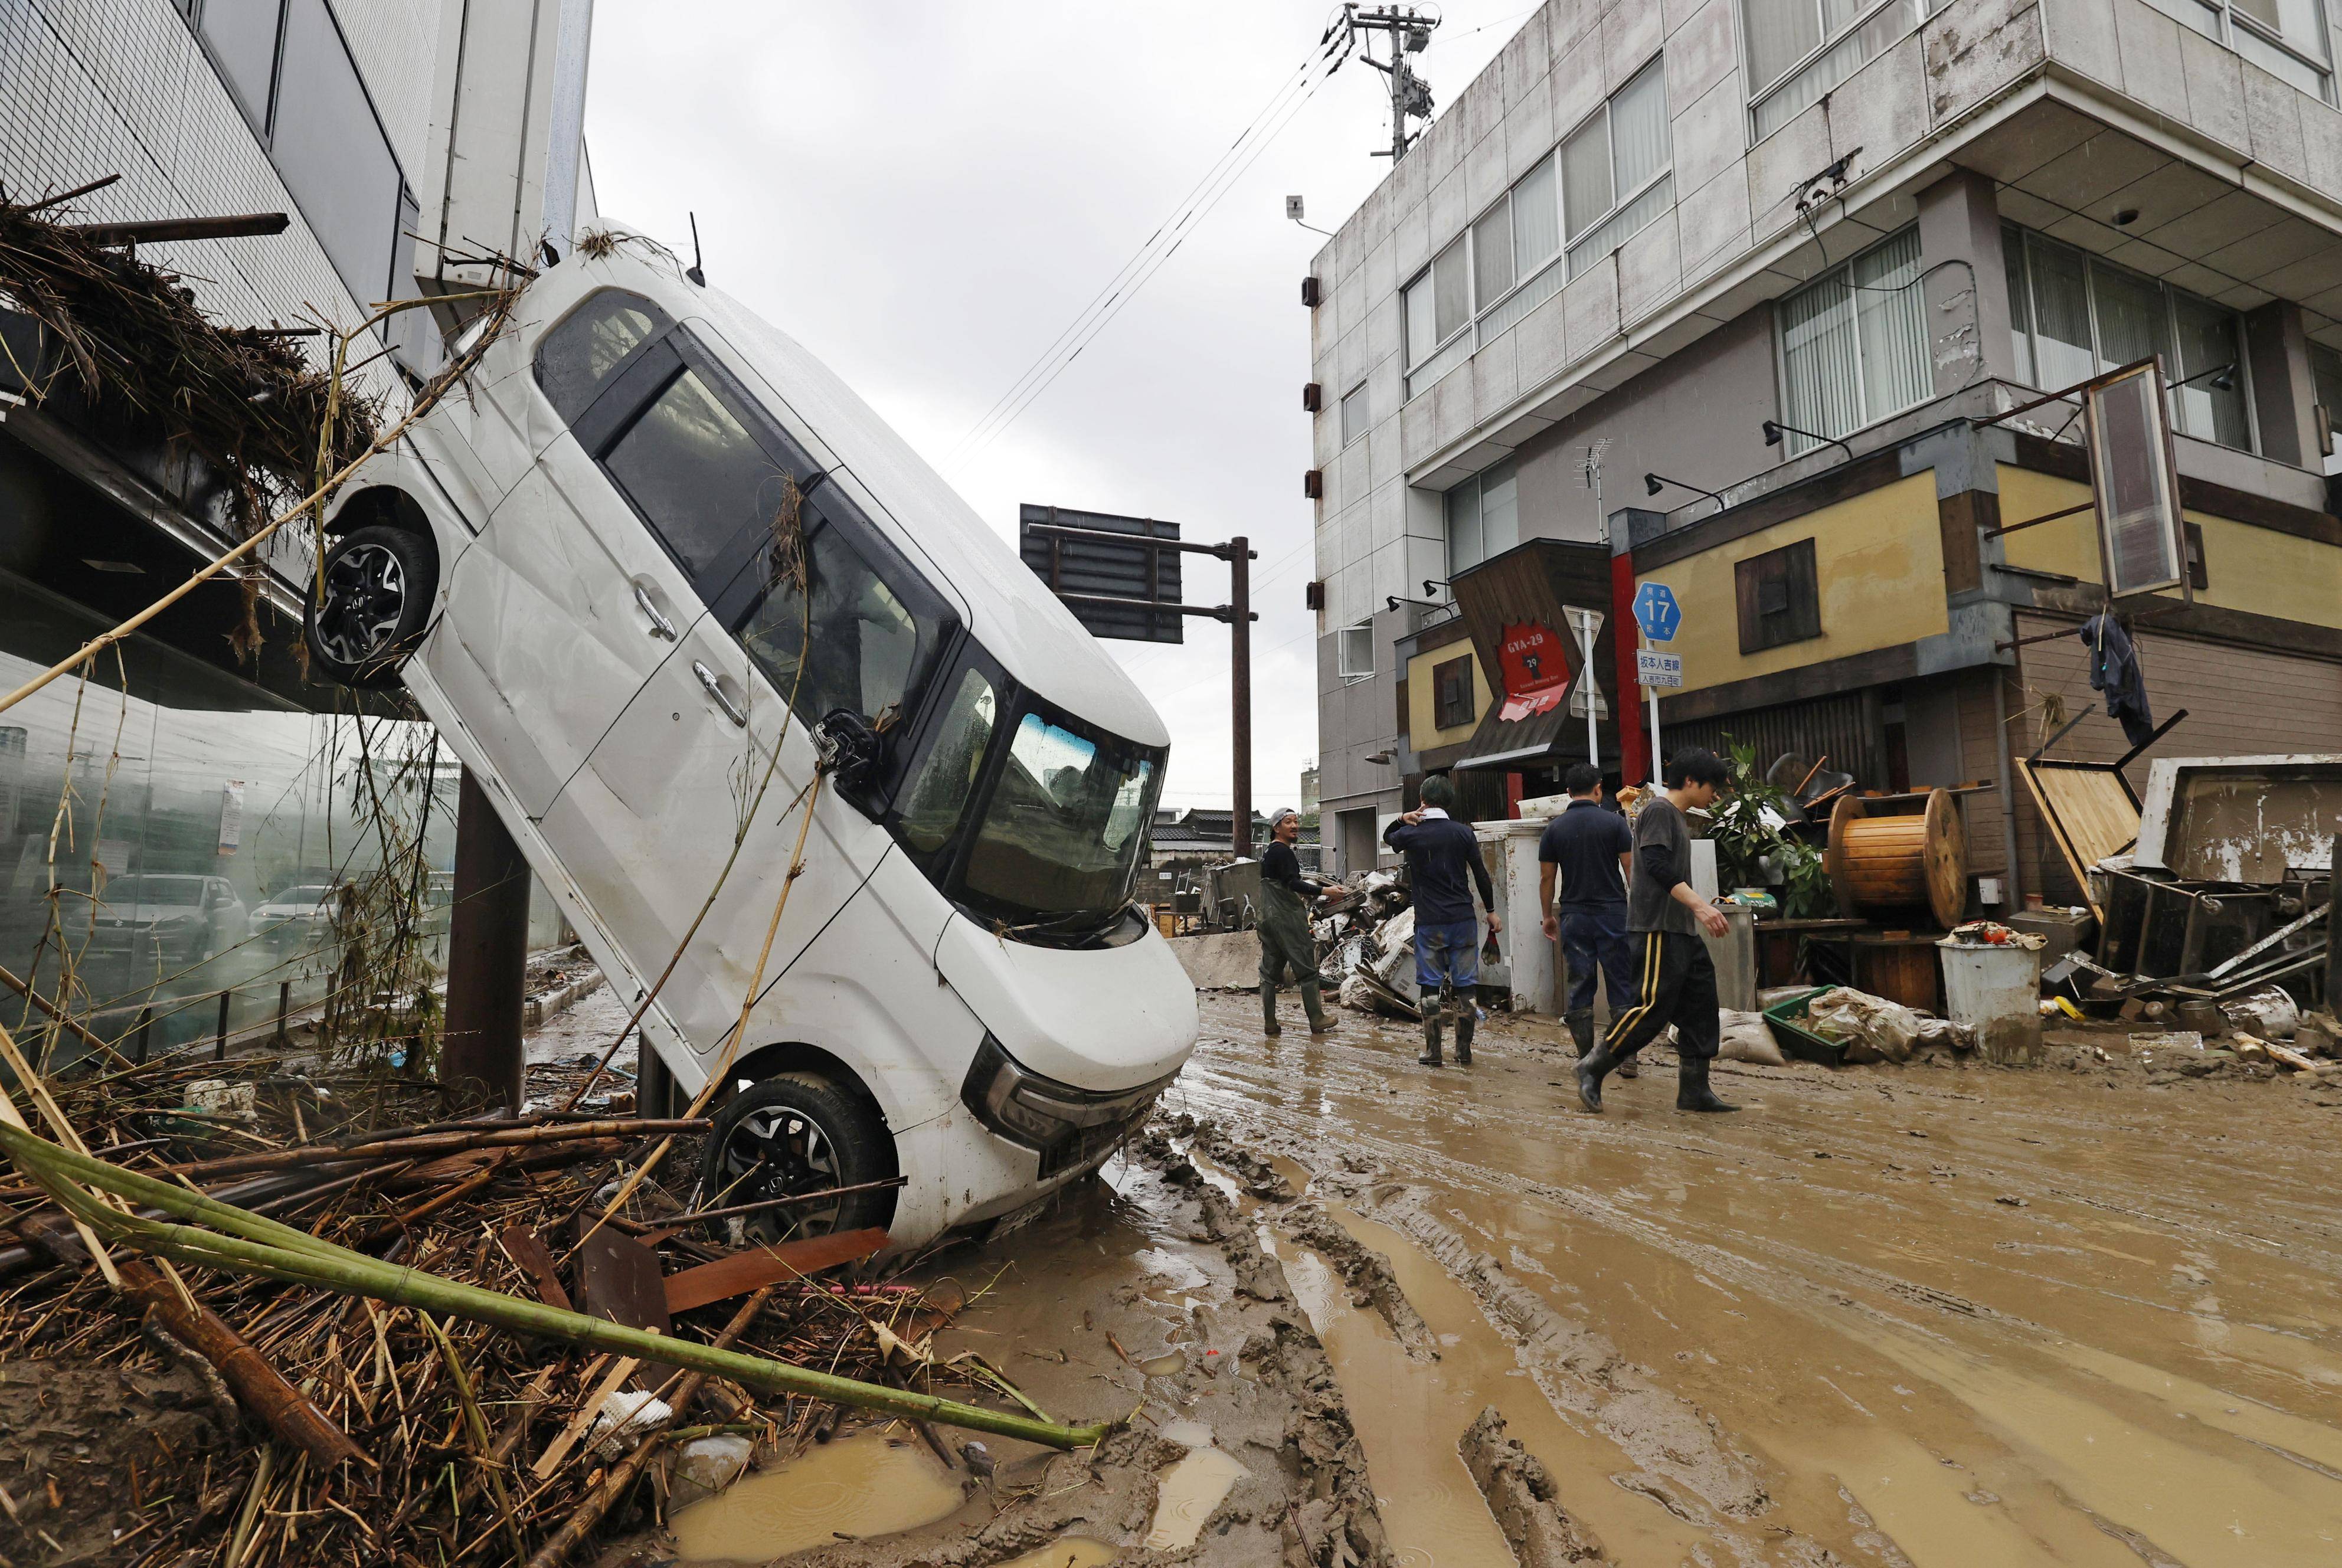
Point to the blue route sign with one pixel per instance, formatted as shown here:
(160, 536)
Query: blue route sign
(1657, 612)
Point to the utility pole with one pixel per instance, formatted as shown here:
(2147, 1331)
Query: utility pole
(1410, 94)
(1240, 690)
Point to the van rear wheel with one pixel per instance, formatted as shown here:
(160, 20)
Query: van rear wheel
(796, 1134)
(378, 583)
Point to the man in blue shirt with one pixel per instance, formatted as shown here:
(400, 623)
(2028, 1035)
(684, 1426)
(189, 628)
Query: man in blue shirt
(1443, 862)
(1589, 850)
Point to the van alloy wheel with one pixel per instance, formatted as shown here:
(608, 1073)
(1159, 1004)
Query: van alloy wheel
(366, 599)
(797, 1132)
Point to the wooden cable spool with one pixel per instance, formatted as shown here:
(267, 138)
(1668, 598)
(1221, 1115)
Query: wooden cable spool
(1915, 859)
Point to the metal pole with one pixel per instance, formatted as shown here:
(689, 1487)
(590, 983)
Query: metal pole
(219, 1040)
(2334, 933)
(1240, 690)
(1658, 763)
(1586, 666)
(1398, 96)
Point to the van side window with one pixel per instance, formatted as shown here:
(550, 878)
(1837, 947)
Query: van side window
(947, 779)
(700, 479)
(856, 645)
(576, 358)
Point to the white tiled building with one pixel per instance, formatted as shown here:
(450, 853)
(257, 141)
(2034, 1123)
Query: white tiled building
(1658, 225)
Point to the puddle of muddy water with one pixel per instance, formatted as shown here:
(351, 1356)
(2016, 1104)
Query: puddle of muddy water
(1187, 1496)
(861, 1485)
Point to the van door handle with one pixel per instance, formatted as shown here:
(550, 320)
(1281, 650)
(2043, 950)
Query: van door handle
(708, 679)
(660, 625)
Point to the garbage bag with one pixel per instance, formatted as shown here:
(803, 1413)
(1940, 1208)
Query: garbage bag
(1873, 1028)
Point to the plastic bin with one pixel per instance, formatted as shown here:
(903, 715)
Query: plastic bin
(1785, 1019)
(1996, 991)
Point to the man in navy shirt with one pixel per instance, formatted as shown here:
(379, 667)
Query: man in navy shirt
(1588, 849)
(1443, 860)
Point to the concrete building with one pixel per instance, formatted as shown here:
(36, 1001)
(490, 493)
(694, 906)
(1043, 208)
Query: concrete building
(1788, 257)
(382, 129)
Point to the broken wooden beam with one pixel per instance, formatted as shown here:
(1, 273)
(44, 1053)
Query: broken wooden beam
(760, 1266)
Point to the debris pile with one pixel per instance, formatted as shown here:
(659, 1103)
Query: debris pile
(1366, 930)
(359, 1305)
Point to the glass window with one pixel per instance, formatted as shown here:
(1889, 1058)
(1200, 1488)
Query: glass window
(1483, 516)
(1451, 290)
(2324, 377)
(1800, 49)
(1492, 253)
(699, 479)
(1586, 189)
(1639, 130)
(948, 781)
(1061, 831)
(864, 641)
(577, 357)
(1422, 332)
(1354, 650)
(1355, 414)
(243, 38)
(2208, 340)
(1536, 220)
(1781, 32)
(1463, 551)
(2087, 317)
(1854, 345)
(330, 150)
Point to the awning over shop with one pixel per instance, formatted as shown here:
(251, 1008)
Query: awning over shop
(1515, 606)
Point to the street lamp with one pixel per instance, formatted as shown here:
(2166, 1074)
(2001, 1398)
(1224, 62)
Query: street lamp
(1773, 427)
(1654, 483)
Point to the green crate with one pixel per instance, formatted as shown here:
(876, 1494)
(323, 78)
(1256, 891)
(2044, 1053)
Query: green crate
(1794, 1038)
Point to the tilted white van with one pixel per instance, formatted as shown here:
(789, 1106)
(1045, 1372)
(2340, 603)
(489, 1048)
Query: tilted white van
(581, 565)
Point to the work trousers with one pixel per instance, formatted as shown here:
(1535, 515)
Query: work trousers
(1286, 945)
(1676, 984)
(1594, 936)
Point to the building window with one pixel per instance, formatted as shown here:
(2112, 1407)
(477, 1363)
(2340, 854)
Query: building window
(1779, 597)
(1799, 49)
(1452, 704)
(1355, 416)
(1853, 343)
(2074, 316)
(1615, 169)
(1482, 517)
(1354, 650)
(2287, 38)
(1438, 305)
(2326, 378)
(1610, 178)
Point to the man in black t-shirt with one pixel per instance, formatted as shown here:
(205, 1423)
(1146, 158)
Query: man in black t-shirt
(1675, 976)
(1287, 943)
(1586, 849)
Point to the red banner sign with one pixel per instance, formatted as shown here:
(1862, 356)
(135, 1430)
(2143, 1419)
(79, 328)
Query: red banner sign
(1534, 662)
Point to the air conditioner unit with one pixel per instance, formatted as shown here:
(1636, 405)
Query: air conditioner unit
(1313, 483)
(1310, 291)
(1313, 397)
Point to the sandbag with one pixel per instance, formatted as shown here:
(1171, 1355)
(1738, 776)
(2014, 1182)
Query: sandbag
(1747, 1037)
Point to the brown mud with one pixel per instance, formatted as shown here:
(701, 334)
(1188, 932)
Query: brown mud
(1932, 1315)
(86, 1449)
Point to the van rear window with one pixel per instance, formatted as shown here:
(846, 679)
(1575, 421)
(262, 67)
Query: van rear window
(577, 358)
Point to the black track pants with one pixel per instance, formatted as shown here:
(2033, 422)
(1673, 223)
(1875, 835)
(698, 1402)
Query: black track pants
(1677, 986)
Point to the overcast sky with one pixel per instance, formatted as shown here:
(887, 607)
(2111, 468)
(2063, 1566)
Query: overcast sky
(926, 194)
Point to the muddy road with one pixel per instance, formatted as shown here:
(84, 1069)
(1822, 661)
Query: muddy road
(1930, 1316)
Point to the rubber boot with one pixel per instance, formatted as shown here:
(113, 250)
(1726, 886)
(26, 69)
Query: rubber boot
(1464, 1022)
(1268, 1025)
(1581, 1032)
(1313, 1003)
(1591, 1070)
(1692, 1092)
(1430, 1057)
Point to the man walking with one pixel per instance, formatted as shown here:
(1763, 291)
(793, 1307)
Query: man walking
(1441, 853)
(1589, 849)
(1675, 977)
(1285, 942)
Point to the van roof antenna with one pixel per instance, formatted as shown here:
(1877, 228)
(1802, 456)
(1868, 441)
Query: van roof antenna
(693, 272)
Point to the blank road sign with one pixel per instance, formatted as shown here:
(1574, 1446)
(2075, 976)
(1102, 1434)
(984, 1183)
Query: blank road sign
(1098, 566)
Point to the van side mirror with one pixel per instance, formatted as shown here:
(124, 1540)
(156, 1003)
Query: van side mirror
(850, 750)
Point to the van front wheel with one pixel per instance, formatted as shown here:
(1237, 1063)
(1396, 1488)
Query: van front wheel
(797, 1133)
(365, 616)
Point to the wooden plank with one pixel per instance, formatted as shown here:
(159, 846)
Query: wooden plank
(761, 1266)
(618, 1279)
(530, 1254)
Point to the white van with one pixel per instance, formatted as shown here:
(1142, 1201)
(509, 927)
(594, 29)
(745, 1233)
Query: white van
(572, 563)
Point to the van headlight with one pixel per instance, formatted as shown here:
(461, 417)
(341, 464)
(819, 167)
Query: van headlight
(1041, 1112)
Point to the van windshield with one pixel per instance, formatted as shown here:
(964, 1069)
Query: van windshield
(1061, 831)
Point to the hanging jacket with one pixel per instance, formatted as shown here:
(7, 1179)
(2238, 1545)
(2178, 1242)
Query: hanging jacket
(2114, 670)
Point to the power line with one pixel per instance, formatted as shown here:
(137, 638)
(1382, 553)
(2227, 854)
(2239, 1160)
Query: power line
(1161, 245)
